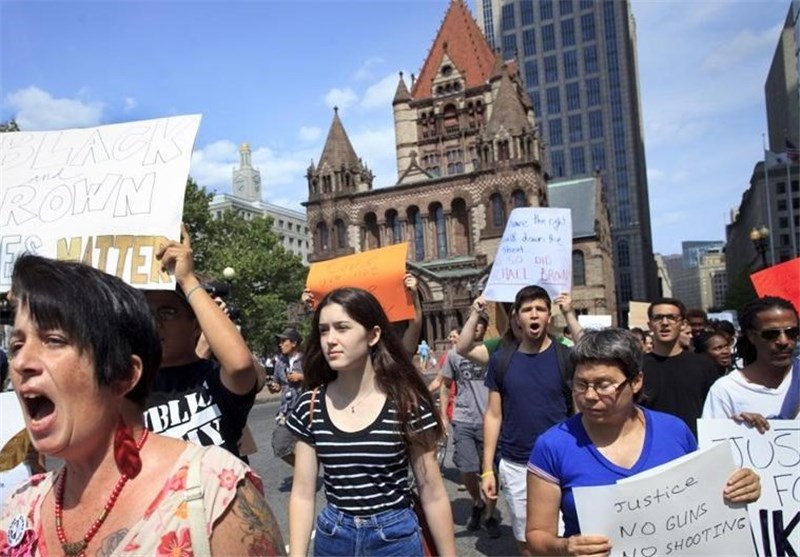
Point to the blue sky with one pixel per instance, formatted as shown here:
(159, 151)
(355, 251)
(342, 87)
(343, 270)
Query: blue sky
(269, 73)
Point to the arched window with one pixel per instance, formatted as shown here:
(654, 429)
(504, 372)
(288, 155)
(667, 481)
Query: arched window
(460, 226)
(395, 226)
(518, 199)
(450, 118)
(498, 211)
(441, 230)
(321, 237)
(503, 151)
(623, 254)
(341, 234)
(578, 269)
(372, 234)
(415, 219)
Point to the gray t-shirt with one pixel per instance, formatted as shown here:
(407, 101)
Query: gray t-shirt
(473, 396)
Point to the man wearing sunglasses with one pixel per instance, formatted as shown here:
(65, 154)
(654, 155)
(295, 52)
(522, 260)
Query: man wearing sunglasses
(769, 384)
(676, 381)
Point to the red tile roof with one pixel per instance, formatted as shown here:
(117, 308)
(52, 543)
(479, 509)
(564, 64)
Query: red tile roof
(466, 46)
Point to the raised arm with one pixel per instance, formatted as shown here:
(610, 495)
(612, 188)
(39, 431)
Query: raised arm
(238, 372)
(411, 336)
(564, 303)
(466, 345)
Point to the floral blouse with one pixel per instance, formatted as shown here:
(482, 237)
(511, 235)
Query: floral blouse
(164, 530)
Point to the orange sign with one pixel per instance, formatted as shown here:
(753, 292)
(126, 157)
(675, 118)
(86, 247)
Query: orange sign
(379, 271)
(781, 280)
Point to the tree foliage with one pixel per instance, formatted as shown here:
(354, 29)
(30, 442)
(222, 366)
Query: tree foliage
(740, 291)
(268, 277)
(10, 126)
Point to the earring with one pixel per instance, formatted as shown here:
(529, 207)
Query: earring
(126, 452)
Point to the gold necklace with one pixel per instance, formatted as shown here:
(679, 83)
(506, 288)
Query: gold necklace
(356, 402)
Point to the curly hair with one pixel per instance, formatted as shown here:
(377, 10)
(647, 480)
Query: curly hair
(747, 322)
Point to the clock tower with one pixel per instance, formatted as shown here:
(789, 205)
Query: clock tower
(246, 179)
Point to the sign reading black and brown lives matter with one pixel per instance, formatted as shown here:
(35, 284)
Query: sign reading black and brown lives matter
(108, 196)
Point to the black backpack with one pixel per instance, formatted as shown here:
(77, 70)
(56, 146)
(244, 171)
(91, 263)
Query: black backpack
(506, 352)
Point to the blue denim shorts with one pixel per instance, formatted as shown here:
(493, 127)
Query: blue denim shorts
(387, 534)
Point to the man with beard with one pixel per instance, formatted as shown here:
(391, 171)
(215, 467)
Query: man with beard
(676, 381)
(769, 384)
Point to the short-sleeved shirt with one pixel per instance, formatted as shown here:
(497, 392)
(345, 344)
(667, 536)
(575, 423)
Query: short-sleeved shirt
(733, 394)
(291, 389)
(532, 395)
(365, 472)
(190, 402)
(678, 385)
(472, 396)
(566, 456)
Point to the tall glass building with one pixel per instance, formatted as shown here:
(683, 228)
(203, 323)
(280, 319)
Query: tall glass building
(578, 60)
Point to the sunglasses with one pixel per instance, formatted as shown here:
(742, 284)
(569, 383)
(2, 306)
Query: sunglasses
(772, 334)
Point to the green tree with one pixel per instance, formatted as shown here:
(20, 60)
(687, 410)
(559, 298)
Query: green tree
(740, 291)
(268, 278)
(10, 126)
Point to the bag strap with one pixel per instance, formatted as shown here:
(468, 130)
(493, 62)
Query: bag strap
(193, 496)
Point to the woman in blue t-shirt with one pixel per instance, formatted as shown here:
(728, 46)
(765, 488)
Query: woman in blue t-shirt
(609, 439)
(366, 416)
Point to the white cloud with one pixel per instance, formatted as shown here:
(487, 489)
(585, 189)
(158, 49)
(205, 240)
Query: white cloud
(36, 110)
(130, 104)
(376, 147)
(212, 166)
(746, 46)
(309, 133)
(380, 94)
(342, 98)
(367, 68)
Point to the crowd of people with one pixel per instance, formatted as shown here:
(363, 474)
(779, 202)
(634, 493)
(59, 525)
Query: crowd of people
(145, 398)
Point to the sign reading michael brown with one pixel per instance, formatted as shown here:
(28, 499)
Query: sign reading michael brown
(107, 196)
(536, 248)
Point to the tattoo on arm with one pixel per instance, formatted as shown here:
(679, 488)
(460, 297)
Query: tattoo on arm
(110, 543)
(260, 533)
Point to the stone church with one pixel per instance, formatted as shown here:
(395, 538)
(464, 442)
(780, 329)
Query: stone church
(468, 152)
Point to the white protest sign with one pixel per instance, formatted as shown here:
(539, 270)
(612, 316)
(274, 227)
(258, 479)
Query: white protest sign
(674, 509)
(107, 196)
(11, 423)
(775, 456)
(594, 321)
(536, 248)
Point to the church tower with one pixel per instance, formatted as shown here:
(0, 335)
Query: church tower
(246, 179)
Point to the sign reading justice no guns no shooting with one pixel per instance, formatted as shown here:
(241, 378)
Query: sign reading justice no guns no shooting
(536, 249)
(107, 196)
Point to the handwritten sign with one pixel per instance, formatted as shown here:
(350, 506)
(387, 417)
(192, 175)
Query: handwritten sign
(775, 456)
(379, 271)
(673, 509)
(13, 472)
(781, 280)
(595, 321)
(107, 196)
(637, 314)
(536, 248)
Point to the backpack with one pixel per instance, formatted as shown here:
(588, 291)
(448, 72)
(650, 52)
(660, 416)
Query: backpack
(506, 352)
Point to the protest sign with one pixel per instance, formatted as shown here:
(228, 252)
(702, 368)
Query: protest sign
(13, 470)
(379, 271)
(775, 456)
(594, 321)
(637, 314)
(781, 280)
(107, 196)
(674, 509)
(536, 248)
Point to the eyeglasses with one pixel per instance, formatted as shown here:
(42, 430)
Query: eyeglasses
(792, 333)
(604, 388)
(165, 313)
(671, 317)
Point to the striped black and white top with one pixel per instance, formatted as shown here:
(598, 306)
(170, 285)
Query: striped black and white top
(365, 472)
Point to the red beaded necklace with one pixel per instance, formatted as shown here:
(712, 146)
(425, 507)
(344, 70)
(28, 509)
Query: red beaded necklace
(78, 549)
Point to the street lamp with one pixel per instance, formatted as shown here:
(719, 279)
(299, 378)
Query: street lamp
(760, 239)
(229, 273)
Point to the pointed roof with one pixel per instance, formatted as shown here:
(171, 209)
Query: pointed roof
(338, 150)
(508, 110)
(459, 36)
(401, 94)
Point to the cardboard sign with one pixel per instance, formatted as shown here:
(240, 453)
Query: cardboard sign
(536, 249)
(637, 315)
(673, 509)
(379, 271)
(595, 321)
(108, 196)
(781, 280)
(775, 456)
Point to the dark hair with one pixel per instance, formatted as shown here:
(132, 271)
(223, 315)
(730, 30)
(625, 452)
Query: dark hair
(528, 293)
(395, 373)
(639, 332)
(696, 312)
(483, 318)
(667, 302)
(98, 312)
(612, 346)
(701, 341)
(747, 322)
(725, 327)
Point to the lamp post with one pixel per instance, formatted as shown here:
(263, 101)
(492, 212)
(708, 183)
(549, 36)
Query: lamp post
(760, 239)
